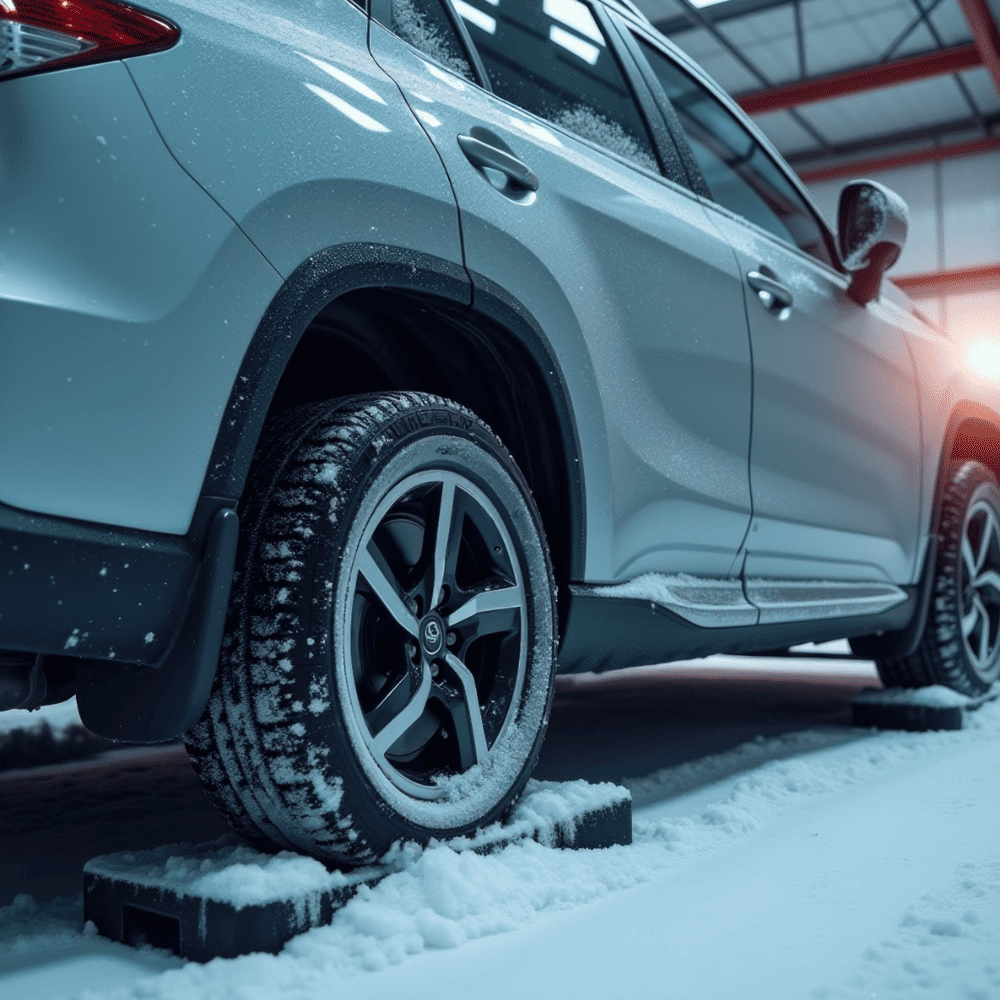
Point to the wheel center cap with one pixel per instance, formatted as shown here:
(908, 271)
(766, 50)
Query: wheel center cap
(432, 634)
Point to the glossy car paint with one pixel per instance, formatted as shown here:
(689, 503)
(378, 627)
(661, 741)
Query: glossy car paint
(126, 302)
(280, 113)
(644, 309)
(280, 136)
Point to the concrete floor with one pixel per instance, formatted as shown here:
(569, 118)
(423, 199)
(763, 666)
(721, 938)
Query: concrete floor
(603, 728)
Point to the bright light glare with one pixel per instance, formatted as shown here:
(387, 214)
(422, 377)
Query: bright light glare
(587, 52)
(984, 359)
(365, 121)
(345, 78)
(576, 15)
(705, 3)
(476, 17)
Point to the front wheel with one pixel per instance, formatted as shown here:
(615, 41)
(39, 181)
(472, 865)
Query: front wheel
(960, 646)
(387, 670)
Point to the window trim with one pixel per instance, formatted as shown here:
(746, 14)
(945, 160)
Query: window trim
(662, 138)
(645, 106)
(380, 11)
(669, 52)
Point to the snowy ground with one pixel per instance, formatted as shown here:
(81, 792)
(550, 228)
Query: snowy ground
(809, 862)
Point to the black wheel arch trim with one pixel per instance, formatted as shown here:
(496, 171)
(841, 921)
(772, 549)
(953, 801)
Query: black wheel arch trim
(332, 272)
(314, 284)
(903, 642)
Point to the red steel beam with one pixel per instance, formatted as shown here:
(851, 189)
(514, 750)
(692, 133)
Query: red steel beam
(889, 74)
(954, 281)
(985, 35)
(864, 168)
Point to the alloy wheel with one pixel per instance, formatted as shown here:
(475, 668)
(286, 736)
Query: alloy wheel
(437, 631)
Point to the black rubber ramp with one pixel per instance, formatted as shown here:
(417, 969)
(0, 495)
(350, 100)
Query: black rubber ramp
(224, 899)
(916, 709)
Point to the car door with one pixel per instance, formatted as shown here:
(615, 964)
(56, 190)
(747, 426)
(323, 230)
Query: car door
(835, 450)
(565, 206)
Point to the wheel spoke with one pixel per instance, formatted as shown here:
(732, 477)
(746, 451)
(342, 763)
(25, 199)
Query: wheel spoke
(504, 599)
(390, 705)
(968, 557)
(984, 635)
(446, 541)
(990, 578)
(406, 716)
(380, 580)
(969, 620)
(985, 543)
(468, 716)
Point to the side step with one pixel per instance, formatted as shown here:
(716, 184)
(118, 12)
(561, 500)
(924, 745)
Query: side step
(729, 603)
(224, 899)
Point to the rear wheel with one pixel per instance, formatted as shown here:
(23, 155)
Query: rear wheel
(387, 670)
(960, 646)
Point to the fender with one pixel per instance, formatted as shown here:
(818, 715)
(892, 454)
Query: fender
(315, 283)
(899, 643)
(348, 267)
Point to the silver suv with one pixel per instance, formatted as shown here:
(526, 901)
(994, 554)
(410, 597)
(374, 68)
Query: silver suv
(404, 354)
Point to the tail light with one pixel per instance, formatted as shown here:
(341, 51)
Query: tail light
(39, 35)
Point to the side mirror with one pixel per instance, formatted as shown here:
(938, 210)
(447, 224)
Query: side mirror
(872, 222)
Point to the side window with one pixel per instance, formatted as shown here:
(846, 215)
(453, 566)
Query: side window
(551, 58)
(739, 174)
(426, 26)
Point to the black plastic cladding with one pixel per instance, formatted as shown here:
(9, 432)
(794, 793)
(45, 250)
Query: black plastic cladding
(338, 270)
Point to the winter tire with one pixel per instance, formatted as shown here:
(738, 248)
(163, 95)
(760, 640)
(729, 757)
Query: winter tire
(387, 668)
(960, 646)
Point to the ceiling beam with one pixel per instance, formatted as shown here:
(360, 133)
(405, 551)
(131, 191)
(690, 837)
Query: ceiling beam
(985, 35)
(953, 281)
(871, 77)
(697, 17)
(724, 12)
(864, 168)
(905, 137)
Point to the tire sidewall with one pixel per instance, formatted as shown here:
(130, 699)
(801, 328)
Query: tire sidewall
(432, 436)
(971, 483)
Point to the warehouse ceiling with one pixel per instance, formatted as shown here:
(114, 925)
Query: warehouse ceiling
(840, 83)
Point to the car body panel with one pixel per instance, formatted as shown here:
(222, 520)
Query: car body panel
(659, 367)
(133, 288)
(306, 143)
(169, 227)
(835, 457)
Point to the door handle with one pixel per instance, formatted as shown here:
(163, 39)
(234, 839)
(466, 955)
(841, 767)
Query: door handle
(774, 296)
(487, 154)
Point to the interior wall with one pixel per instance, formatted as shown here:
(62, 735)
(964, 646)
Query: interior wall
(954, 222)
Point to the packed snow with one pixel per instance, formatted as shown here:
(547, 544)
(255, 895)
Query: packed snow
(808, 865)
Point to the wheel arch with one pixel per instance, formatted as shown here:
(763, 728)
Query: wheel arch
(972, 433)
(392, 318)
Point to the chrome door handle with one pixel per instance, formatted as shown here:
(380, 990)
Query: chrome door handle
(774, 296)
(485, 154)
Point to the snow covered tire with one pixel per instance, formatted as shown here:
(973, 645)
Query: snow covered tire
(960, 646)
(388, 664)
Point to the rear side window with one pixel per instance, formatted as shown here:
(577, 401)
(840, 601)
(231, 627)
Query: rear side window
(426, 26)
(739, 174)
(551, 58)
